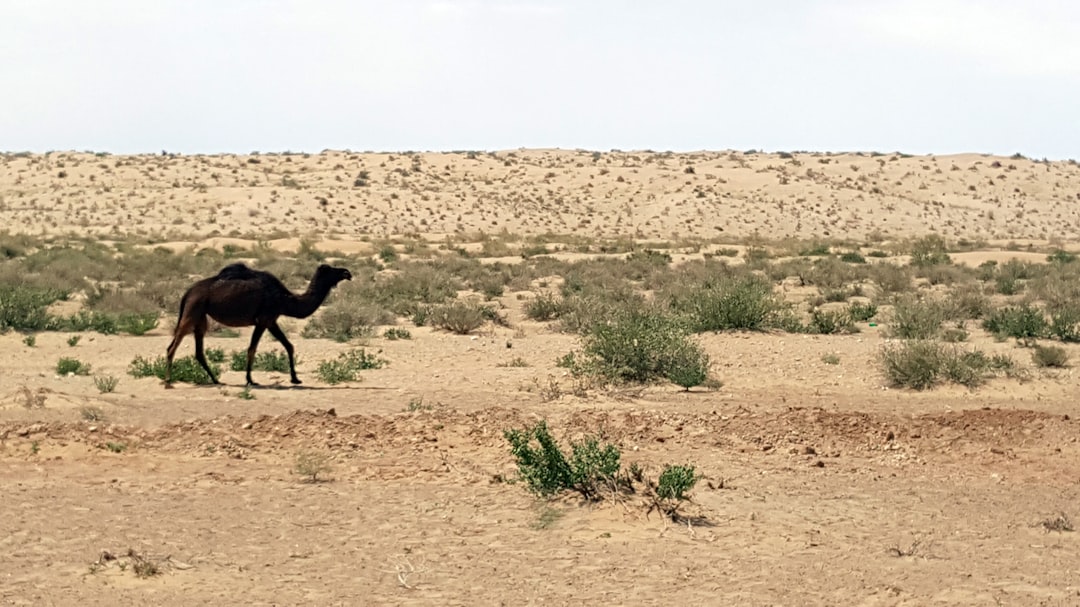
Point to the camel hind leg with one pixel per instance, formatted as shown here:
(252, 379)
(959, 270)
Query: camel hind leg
(183, 327)
(200, 332)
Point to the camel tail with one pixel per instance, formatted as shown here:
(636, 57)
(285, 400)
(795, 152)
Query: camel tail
(183, 302)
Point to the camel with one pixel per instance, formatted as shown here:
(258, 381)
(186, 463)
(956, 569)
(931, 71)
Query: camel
(239, 296)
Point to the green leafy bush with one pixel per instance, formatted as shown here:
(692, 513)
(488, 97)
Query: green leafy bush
(636, 344)
(544, 467)
(72, 366)
(1023, 322)
(25, 308)
(544, 306)
(915, 318)
(828, 322)
(689, 366)
(862, 312)
(459, 316)
(347, 365)
(264, 361)
(186, 369)
(921, 364)
(733, 303)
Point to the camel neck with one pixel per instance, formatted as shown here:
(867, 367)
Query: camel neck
(305, 304)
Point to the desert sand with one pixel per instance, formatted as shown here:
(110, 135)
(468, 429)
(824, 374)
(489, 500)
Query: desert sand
(821, 485)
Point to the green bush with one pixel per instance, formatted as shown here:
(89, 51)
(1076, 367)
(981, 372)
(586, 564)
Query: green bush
(828, 322)
(72, 366)
(1065, 323)
(675, 482)
(185, 369)
(741, 302)
(346, 319)
(1023, 322)
(929, 251)
(915, 318)
(1060, 256)
(264, 361)
(689, 366)
(862, 312)
(106, 383)
(395, 333)
(921, 364)
(459, 316)
(25, 308)
(852, 257)
(347, 365)
(544, 467)
(544, 306)
(636, 344)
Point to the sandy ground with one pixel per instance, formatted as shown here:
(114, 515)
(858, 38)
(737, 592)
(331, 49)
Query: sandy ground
(821, 486)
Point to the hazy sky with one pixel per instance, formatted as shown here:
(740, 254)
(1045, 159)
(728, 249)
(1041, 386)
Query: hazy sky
(919, 76)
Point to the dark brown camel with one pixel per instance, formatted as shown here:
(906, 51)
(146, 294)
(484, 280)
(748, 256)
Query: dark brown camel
(241, 297)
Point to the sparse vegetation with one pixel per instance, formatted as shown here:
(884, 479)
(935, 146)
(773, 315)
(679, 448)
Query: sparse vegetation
(71, 366)
(346, 367)
(106, 383)
(309, 464)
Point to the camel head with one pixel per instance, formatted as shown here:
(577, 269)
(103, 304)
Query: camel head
(330, 275)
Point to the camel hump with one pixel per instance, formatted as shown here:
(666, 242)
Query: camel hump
(236, 271)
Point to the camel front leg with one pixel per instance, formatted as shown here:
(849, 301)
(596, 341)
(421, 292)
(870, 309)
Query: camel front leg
(256, 335)
(279, 335)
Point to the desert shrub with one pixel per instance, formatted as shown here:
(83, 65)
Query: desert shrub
(636, 344)
(1061, 257)
(689, 366)
(828, 322)
(1050, 356)
(944, 274)
(25, 308)
(929, 251)
(912, 364)
(347, 319)
(916, 318)
(186, 369)
(396, 333)
(106, 383)
(968, 301)
(1058, 286)
(862, 312)
(310, 464)
(459, 316)
(264, 361)
(105, 323)
(347, 365)
(675, 482)
(544, 467)
(837, 295)
(890, 278)
(1065, 323)
(544, 306)
(921, 364)
(831, 273)
(852, 257)
(414, 285)
(1023, 322)
(579, 313)
(388, 253)
(741, 302)
(71, 366)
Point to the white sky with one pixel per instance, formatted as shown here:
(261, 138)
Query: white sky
(918, 76)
